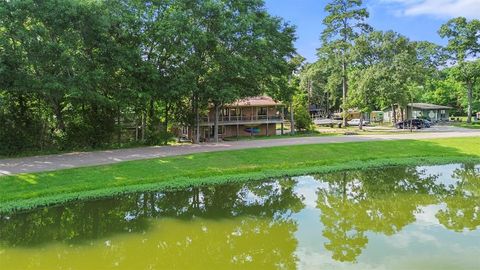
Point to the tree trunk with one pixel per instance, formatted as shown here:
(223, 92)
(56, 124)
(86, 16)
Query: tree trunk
(327, 111)
(136, 130)
(58, 111)
(193, 127)
(344, 93)
(360, 126)
(215, 123)
(119, 128)
(402, 118)
(394, 115)
(470, 101)
(149, 120)
(143, 125)
(197, 122)
(151, 110)
(292, 120)
(167, 119)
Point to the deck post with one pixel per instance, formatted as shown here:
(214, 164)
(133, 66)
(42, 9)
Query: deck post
(267, 121)
(239, 114)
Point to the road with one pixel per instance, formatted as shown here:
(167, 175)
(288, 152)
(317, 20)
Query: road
(83, 159)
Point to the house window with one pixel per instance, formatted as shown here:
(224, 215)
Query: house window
(262, 111)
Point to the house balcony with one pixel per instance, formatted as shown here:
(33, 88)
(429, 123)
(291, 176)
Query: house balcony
(242, 120)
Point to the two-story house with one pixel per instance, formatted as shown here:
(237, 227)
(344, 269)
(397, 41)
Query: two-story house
(255, 116)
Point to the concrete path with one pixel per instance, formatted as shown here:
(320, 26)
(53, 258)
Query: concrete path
(83, 159)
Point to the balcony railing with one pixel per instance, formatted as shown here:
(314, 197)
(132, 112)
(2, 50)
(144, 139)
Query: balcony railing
(242, 119)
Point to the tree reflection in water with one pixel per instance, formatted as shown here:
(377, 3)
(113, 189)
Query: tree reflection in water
(463, 202)
(252, 224)
(386, 200)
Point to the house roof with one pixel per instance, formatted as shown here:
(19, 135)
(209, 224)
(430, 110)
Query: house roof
(259, 101)
(427, 106)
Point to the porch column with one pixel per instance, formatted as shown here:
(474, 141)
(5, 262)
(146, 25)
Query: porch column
(239, 116)
(268, 109)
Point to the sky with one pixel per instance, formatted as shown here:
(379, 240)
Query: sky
(416, 19)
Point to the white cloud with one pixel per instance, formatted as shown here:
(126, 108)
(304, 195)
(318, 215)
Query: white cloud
(437, 8)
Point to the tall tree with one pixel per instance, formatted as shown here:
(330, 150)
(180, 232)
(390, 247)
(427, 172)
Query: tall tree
(343, 24)
(323, 86)
(164, 38)
(77, 74)
(284, 87)
(464, 45)
(236, 49)
(386, 67)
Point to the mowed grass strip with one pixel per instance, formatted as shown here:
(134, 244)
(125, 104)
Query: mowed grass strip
(29, 190)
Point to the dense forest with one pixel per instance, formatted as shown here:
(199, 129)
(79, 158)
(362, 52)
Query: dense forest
(78, 74)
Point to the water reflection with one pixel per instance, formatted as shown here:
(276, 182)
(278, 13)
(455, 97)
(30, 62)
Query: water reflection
(463, 203)
(247, 226)
(386, 200)
(235, 224)
(80, 221)
(381, 201)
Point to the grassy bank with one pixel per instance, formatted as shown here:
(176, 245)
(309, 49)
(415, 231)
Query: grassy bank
(30, 190)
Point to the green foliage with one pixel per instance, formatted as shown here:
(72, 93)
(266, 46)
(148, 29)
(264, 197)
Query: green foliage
(463, 45)
(463, 39)
(94, 73)
(302, 115)
(385, 68)
(22, 127)
(445, 89)
(322, 84)
(345, 21)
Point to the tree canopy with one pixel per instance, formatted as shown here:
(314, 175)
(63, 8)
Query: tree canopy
(77, 74)
(385, 69)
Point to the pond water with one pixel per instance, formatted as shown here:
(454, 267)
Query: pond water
(392, 218)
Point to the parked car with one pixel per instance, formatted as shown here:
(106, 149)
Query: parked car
(356, 122)
(183, 139)
(427, 123)
(416, 124)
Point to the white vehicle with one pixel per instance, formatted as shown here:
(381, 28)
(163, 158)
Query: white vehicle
(356, 122)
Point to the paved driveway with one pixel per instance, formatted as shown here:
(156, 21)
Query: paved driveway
(83, 159)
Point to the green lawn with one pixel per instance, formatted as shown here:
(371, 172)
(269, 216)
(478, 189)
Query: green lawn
(471, 126)
(29, 190)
